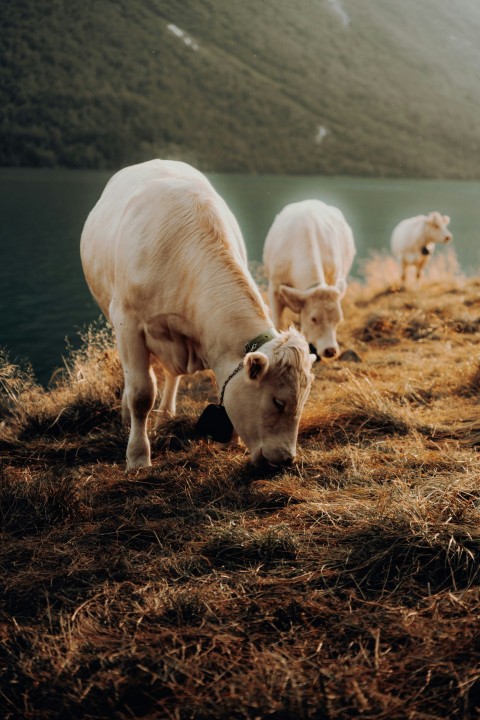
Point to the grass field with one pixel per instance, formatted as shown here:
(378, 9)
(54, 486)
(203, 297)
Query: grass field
(347, 586)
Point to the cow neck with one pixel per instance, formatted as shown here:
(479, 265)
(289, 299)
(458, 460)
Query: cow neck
(251, 346)
(426, 237)
(317, 281)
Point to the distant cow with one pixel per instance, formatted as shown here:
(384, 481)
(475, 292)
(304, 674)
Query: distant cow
(165, 260)
(308, 254)
(413, 240)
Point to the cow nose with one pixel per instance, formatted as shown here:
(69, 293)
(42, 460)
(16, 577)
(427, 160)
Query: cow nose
(258, 458)
(286, 461)
(330, 352)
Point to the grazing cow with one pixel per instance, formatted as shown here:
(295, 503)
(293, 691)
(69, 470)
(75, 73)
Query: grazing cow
(308, 254)
(413, 240)
(165, 260)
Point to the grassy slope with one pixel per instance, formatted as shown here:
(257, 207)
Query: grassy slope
(107, 84)
(348, 586)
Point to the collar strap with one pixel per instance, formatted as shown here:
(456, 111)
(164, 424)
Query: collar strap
(251, 346)
(237, 369)
(260, 340)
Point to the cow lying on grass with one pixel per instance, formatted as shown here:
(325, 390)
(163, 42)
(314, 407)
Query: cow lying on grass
(308, 254)
(413, 240)
(165, 260)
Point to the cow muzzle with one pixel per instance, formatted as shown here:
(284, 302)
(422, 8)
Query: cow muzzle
(275, 460)
(325, 348)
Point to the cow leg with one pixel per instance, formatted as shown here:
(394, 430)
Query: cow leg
(404, 272)
(168, 405)
(276, 306)
(139, 394)
(421, 266)
(125, 410)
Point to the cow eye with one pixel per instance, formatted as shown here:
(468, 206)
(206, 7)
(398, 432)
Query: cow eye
(314, 319)
(279, 404)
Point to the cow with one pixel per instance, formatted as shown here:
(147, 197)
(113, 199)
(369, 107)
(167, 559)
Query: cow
(165, 259)
(413, 240)
(308, 253)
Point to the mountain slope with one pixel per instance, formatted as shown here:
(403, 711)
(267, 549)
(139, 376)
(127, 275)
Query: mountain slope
(316, 86)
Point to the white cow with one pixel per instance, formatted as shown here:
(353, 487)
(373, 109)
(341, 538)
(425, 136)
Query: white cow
(165, 260)
(308, 253)
(413, 240)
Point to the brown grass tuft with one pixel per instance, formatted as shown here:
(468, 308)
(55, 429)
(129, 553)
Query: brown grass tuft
(474, 382)
(361, 410)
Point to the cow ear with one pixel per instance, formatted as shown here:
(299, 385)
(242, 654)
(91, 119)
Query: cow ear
(446, 219)
(295, 299)
(256, 365)
(341, 286)
(433, 219)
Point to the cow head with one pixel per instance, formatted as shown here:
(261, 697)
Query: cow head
(266, 399)
(320, 313)
(437, 228)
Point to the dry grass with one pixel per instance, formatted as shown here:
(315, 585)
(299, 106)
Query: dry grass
(347, 586)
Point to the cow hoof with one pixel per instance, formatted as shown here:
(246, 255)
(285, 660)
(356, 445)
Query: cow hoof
(138, 463)
(161, 417)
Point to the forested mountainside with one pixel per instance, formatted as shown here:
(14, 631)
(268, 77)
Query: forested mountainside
(379, 87)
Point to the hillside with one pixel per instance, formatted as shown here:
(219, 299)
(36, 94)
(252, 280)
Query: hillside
(316, 86)
(202, 588)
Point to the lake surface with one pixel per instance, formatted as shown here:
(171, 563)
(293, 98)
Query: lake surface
(43, 295)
